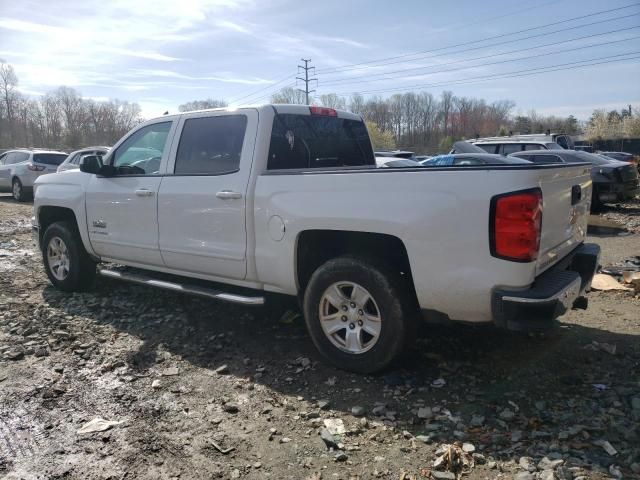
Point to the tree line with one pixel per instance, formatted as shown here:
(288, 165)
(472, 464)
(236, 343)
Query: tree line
(421, 122)
(60, 119)
(426, 123)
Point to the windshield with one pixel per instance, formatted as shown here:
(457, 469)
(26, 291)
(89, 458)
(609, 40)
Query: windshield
(49, 158)
(310, 141)
(592, 158)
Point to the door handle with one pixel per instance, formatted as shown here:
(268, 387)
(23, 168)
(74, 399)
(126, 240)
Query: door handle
(228, 195)
(143, 192)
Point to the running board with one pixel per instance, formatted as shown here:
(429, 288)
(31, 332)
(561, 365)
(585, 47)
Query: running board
(181, 287)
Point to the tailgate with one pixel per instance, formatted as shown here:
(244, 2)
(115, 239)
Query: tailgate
(566, 197)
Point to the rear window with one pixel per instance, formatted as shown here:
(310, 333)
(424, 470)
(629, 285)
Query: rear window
(542, 158)
(49, 158)
(591, 158)
(308, 141)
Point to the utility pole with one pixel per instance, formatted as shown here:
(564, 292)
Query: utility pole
(306, 78)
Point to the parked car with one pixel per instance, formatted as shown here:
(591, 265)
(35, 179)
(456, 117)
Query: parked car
(20, 168)
(395, 153)
(510, 145)
(72, 162)
(468, 154)
(394, 162)
(517, 143)
(288, 199)
(620, 156)
(612, 180)
(471, 159)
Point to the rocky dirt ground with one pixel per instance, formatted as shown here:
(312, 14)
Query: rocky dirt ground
(193, 389)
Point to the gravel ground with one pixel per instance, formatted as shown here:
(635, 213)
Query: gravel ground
(193, 389)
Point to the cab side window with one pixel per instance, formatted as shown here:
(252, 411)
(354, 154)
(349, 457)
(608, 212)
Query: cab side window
(211, 145)
(141, 153)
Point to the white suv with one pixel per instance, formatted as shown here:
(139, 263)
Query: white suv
(20, 168)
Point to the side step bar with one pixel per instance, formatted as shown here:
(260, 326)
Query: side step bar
(181, 287)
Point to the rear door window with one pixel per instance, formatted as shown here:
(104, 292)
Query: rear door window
(309, 141)
(16, 157)
(488, 148)
(508, 148)
(211, 145)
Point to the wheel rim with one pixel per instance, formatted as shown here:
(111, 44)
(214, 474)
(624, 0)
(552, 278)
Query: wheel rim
(350, 317)
(17, 190)
(58, 258)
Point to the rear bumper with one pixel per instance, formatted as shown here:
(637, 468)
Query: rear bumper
(552, 294)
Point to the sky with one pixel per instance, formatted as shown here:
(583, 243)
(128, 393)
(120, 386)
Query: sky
(162, 53)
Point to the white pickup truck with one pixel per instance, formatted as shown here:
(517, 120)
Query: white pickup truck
(236, 204)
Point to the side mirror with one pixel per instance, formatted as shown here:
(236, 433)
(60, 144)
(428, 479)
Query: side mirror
(91, 164)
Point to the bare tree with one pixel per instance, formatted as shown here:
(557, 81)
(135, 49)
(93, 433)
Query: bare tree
(332, 100)
(290, 96)
(202, 105)
(8, 84)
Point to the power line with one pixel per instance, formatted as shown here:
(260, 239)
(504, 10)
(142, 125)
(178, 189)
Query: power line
(544, 54)
(369, 64)
(545, 34)
(306, 78)
(517, 73)
(236, 100)
(268, 94)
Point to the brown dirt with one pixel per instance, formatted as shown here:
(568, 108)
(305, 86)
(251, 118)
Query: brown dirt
(148, 359)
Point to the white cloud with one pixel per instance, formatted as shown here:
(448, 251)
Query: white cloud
(229, 25)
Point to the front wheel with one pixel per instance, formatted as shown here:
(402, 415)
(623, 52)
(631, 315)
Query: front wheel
(66, 262)
(356, 315)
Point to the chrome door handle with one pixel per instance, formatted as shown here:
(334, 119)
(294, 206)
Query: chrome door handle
(143, 192)
(228, 195)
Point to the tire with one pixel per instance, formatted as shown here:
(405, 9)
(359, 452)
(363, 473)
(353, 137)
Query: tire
(335, 282)
(61, 242)
(17, 190)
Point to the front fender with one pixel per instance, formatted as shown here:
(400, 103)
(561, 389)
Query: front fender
(65, 190)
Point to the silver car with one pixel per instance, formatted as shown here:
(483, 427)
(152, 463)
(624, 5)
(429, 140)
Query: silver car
(72, 162)
(20, 168)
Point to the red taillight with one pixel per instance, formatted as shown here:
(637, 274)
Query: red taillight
(35, 168)
(516, 219)
(324, 111)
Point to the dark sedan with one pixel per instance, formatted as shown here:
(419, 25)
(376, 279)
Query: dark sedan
(620, 156)
(612, 180)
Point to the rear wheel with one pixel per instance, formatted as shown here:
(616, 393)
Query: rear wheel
(18, 190)
(356, 314)
(66, 262)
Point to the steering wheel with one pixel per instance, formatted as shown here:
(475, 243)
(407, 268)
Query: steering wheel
(147, 165)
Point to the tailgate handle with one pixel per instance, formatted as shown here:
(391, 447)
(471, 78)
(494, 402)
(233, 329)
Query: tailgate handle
(576, 194)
